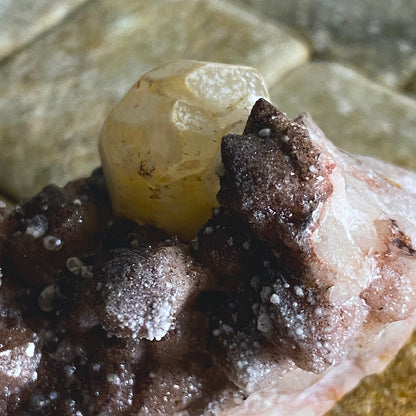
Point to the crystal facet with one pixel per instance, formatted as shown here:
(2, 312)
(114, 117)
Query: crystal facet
(160, 146)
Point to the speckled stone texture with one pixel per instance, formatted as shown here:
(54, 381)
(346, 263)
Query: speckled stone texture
(64, 64)
(21, 21)
(378, 37)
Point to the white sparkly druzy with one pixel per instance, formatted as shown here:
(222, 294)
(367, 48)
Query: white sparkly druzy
(160, 145)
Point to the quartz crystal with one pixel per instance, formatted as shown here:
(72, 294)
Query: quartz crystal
(160, 146)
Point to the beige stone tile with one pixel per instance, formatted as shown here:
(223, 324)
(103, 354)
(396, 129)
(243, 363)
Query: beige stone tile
(57, 92)
(379, 37)
(23, 20)
(355, 113)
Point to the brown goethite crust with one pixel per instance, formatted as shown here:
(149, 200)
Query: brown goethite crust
(95, 374)
(19, 360)
(142, 291)
(183, 360)
(295, 315)
(56, 224)
(273, 182)
(86, 350)
(224, 247)
(273, 176)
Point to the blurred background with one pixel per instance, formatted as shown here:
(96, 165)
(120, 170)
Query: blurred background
(351, 64)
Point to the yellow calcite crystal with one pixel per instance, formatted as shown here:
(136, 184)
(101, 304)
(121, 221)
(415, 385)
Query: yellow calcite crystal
(160, 146)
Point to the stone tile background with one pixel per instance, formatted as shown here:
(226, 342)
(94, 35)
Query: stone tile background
(351, 64)
(376, 37)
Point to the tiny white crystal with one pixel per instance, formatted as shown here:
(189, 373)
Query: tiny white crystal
(30, 350)
(160, 145)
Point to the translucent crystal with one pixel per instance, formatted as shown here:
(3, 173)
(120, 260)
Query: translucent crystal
(160, 146)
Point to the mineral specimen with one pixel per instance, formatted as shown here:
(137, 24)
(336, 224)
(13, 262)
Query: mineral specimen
(160, 145)
(301, 283)
(329, 276)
